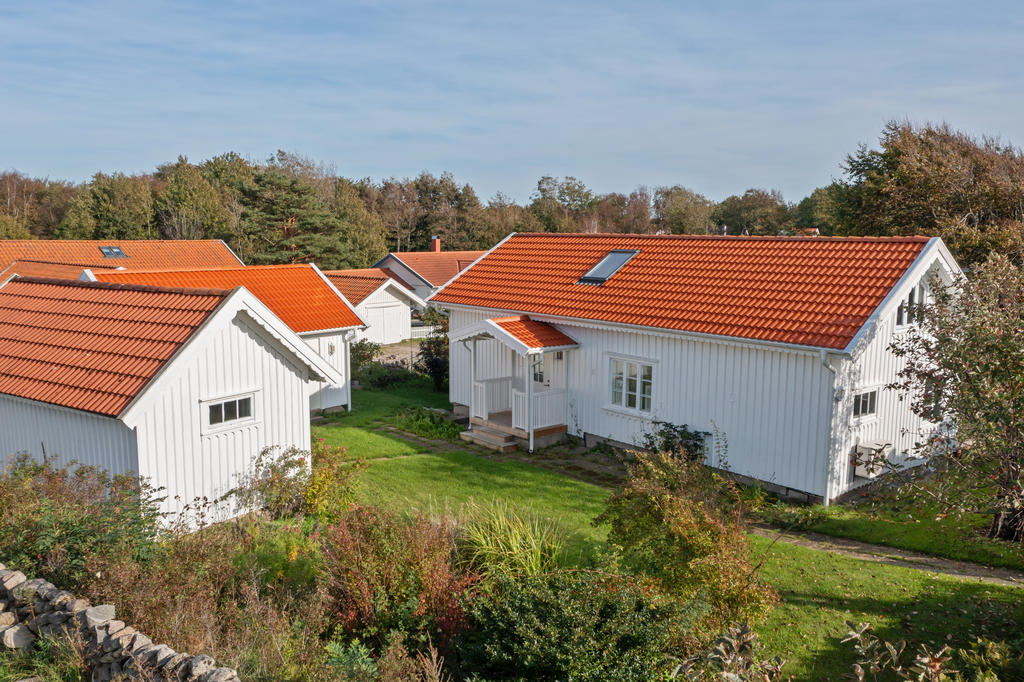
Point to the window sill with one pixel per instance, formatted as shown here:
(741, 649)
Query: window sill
(629, 412)
(230, 426)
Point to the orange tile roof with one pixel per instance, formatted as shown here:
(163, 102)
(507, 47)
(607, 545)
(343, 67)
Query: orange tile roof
(533, 334)
(92, 346)
(297, 294)
(437, 267)
(38, 268)
(360, 283)
(808, 291)
(139, 253)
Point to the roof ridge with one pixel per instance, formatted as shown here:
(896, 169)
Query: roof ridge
(123, 286)
(730, 237)
(60, 262)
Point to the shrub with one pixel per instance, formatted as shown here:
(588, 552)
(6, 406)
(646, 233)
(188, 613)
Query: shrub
(319, 482)
(362, 353)
(55, 517)
(281, 555)
(570, 625)
(428, 423)
(378, 375)
(499, 540)
(677, 440)
(433, 357)
(790, 516)
(385, 574)
(682, 524)
(733, 657)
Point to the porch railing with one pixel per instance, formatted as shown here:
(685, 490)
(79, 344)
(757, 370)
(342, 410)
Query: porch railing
(548, 409)
(491, 395)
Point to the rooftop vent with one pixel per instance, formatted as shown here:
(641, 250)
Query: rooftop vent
(606, 267)
(112, 252)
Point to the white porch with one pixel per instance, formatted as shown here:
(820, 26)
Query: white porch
(519, 373)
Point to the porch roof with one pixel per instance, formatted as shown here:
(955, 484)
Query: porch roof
(521, 333)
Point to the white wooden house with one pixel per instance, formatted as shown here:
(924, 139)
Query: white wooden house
(299, 294)
(779, 345)
(385, 304)
(182, 386)
(425, 272)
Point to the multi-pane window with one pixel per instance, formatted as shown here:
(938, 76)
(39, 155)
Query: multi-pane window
(538, 370)
(226, 411)
(112, 252)
(864, 403)
(631, 384)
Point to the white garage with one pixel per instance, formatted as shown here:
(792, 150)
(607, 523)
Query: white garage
(385, 305)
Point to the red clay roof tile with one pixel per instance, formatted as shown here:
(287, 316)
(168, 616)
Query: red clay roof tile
(92, 346)
(357, 284)
(437, 267)
(808, 291)
(139, 253)
(295, 293)
(36, 268)
(533, 334)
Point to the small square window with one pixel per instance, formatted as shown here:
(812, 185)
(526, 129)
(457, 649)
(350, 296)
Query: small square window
(230, 410)
(216, 414)
(112, 252)
(244, 408)
(864, 403)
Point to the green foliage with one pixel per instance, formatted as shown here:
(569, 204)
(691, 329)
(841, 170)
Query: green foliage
(733, 657)
(936, 181)
(679, 210)
(682, 524)
(428, 423)
(114, 206)
(756, 212)
(284, 555)
(383, 573)
(792, 516)
(283, 483)
(353, 661)
(48, 660)
(499, 540)
(381, 376)
(433, 356)
(570, 625)
(54, 518)
(679, 441)
(963, 359)
(362, 353)
(875, 656)
(985, 660)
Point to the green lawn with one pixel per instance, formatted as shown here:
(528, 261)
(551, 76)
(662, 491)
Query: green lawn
(359, 430)
(916, 528)
(819, 590)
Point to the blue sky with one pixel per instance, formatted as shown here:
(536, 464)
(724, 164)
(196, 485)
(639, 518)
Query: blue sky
(717, 96)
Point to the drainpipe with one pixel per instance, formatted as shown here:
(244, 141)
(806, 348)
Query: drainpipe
(347, 338)
(831, 425)
(529, 398)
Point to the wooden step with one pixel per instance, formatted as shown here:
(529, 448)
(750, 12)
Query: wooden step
(490, 439)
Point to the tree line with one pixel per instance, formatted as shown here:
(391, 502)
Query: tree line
(928, 179)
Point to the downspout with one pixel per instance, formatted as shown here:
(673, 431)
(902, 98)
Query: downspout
(348, 336)
(529, 398)
(831, 425)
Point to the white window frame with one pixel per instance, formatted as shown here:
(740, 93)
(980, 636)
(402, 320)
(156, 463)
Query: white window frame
(622, 407)
(865, 391)
(908, 310)
(204, 412)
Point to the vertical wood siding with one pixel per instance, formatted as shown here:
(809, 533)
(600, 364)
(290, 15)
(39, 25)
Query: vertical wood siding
(234, 358)
(388, 317)
(322, 395)
(27, 426)
(772, 406)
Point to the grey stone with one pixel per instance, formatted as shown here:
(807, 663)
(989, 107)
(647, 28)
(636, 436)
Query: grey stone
(220, 675)
(196, 667)
(171, 665)
(76, 605)
(138, 642)
(17, 637)
(7, 619)
(31, 679)
(95, 615)
(12, 580)
(61, 598)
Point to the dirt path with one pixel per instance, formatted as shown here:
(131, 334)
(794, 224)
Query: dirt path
(893, 556)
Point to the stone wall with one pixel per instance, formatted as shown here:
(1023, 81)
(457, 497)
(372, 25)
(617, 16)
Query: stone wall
(35, 608)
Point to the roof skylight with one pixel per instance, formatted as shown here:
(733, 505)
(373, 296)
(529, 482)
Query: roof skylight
(606, 267)
(113, 252)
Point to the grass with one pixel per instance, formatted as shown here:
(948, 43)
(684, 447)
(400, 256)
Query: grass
(359, 430)
(820, 591)
(914, 528)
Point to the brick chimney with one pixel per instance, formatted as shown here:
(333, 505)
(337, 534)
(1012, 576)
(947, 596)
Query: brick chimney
(435, 244)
